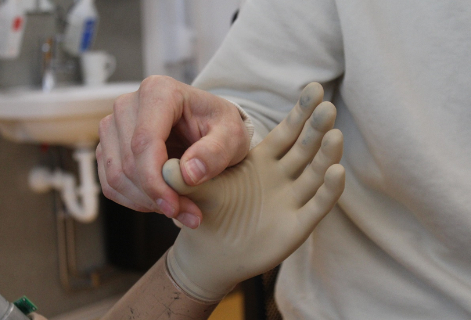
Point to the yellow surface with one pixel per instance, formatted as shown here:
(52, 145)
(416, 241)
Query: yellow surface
(230, 308)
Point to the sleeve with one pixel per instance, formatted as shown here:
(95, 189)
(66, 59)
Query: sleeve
(273, 50)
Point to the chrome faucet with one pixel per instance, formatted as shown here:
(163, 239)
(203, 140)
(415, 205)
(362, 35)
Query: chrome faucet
(48, 79)
(54, 62)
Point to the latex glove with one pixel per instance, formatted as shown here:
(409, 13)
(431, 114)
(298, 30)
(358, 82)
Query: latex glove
(146, 126)
(260, 211)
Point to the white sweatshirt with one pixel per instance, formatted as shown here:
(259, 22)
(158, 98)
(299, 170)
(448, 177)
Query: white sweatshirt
(398, 245)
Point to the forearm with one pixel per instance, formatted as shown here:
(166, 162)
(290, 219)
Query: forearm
(156, 296)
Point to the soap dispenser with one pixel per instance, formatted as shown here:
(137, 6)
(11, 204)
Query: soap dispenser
(12, 25)
(82, 21)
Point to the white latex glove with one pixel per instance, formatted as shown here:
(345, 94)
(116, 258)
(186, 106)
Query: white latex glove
(260, 211)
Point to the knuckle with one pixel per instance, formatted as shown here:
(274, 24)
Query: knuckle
(128, 165)
(114, 175)
(237, 140)
(219, 149)
(140, 141)
(148, 184)
(104, 124)
(121, 103)
(150, 84)
(98, 152)
(160, 87)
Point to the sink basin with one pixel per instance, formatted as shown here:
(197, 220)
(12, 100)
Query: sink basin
(65, 116)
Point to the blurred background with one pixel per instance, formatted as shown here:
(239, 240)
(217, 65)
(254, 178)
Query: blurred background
(69, 269)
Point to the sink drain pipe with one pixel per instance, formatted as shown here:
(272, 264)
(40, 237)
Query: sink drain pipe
(81, 201)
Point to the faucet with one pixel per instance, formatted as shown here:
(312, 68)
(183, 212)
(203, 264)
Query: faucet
(54, 62)
(48, 78)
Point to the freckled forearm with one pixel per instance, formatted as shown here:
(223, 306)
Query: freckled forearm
(156, 296)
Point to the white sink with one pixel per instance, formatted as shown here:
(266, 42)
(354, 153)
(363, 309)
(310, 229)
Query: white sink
(65, 116)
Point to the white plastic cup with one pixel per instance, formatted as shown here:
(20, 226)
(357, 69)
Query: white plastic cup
(97, 67)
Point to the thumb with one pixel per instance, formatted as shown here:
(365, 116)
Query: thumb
(173, 177)
(224, 146)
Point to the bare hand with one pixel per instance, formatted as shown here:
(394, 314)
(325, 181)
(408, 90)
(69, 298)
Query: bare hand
(166, 118)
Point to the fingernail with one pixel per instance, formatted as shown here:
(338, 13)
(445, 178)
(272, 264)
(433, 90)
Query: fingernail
(189, 220)
(165, 207)
(195, 169)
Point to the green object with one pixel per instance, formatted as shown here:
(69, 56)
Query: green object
(25, 305)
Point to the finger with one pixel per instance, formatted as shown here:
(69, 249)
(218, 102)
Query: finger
(125, 116)
(112, 172)
(280, 139)
(173, 177)
(112, 194)
(324, 200)
(223, 139)
(159, 107)
(190, 220)
(308, 143)
(305, 187)
(213, 153)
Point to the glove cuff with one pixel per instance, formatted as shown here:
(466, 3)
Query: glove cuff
(187, 285)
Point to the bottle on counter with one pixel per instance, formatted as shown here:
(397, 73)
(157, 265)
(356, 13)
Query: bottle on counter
(82, 22)
(12, 25)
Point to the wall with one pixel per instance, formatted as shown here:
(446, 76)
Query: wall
(209, 20)
(28, 244)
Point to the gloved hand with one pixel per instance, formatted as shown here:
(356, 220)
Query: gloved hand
(260, 211)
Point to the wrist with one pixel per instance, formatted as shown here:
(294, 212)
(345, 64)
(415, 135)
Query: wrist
(157, 296)
(184, 281)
